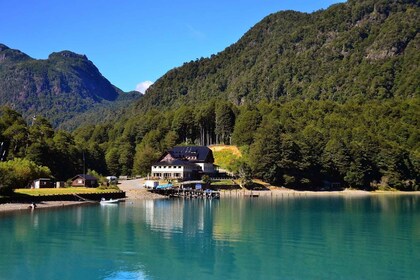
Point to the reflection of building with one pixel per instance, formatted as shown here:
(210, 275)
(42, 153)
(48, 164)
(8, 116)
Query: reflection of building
(165, 216)
(179, 216)
(189, 162)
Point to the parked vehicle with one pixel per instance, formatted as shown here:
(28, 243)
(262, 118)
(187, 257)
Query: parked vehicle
(112, 180)
(150, 184)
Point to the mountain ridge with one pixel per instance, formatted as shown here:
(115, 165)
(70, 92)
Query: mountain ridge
(310, 99)
(59, 88)
(358, 49)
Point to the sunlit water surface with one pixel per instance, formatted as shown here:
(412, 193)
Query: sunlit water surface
(332, 237)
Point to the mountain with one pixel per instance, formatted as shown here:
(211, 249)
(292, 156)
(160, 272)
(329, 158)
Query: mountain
(360, 50)
(104, 112)
(59, 88)
(313, 101)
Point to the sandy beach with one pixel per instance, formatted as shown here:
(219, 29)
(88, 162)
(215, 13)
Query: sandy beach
(6, 207)
(134, 190)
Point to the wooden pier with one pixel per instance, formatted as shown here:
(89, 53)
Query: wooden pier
(187, 193)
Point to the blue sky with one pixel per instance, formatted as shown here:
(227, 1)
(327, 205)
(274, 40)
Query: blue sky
(132, 41)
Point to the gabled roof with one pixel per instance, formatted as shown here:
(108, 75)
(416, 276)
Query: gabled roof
(192, 153)
(173, 162)
(186, 155)
(84, 176)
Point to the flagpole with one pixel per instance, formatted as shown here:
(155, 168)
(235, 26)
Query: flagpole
(84, 170)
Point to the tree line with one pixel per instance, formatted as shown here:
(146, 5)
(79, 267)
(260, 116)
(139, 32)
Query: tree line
(297, 144)
(32, 150)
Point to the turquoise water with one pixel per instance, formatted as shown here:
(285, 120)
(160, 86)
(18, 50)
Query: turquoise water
(253, 238)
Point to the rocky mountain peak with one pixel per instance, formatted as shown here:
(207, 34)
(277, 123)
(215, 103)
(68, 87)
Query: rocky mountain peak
(8, 54)
(3, 47)
(67, 54)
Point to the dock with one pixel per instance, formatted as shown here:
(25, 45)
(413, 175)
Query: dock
(187, 193)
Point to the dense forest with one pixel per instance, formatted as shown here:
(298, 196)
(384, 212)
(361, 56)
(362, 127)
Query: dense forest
(298, 144)
(355, 50)
(332, 96)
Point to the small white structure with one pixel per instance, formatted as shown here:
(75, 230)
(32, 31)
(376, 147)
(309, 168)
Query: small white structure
(150, 184)
(42, 183)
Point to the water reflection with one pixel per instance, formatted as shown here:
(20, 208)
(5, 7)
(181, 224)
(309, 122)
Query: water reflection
(34, 219)
(263, 238)
(165, 216)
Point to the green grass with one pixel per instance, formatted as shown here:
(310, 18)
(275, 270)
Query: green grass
(223, 183)
(61, 191)
(225, 159)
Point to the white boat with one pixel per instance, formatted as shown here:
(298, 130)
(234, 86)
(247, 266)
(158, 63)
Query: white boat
(110, 201)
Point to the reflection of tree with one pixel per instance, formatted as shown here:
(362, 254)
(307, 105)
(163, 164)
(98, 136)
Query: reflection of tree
(225, 239)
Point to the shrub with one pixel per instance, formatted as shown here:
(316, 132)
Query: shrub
(18, 173)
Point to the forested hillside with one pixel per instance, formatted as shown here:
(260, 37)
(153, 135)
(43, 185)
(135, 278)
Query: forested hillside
(356, 50)
(58, 88)
(298, 144)
(332, 96)
(34, 149)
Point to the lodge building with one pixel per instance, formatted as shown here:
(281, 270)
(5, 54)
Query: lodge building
(184, 163)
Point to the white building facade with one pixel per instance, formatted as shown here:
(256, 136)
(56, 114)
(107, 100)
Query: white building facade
(184, 163)
(163, 171)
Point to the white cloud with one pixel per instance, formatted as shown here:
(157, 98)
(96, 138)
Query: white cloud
(143, 86)
(197, 34)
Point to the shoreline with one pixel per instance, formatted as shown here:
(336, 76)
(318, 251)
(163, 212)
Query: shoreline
(131, 194)
(143, 194)
(21, 207)
(282, 192)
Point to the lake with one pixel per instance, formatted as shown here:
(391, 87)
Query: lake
(328, 237)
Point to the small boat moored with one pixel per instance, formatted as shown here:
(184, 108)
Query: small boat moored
(110, 201)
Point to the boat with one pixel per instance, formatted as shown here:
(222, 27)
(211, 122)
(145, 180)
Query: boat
(110, 201)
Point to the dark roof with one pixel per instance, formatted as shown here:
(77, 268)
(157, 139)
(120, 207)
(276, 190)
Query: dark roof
(85, 176)
(201, 153)
(174, 162)
(43, 179)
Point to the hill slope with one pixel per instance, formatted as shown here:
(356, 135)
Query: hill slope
(359, 49)
(58, 88)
